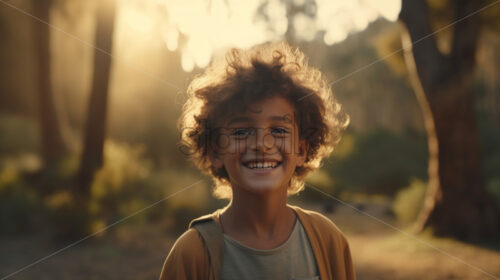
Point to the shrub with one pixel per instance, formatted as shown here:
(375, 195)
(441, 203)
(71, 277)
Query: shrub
(493, 187)
(378, 162)
(409, 201)
(121, 186)
(118, 189)
(19, 205)
(17, 135)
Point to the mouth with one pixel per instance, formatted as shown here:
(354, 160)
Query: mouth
(268, 165)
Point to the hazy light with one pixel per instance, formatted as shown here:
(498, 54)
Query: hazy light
(171, 38)
(276, 11)
(187, 62)
(334, 35)
(215, 25)
(305, 27)
(137, 21)
(219, 24)
(339, 18)
(388, 8)
(201, 50)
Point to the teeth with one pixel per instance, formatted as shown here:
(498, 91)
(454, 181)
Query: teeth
(262, 165)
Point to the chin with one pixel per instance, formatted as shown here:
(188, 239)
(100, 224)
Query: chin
(261, 188)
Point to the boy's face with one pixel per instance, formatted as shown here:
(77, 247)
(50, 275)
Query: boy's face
(260, 148)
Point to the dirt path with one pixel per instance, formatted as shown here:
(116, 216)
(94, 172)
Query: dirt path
(137, 252)
(381, 251)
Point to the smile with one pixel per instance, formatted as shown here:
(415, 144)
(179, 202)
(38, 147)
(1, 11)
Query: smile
(262, 165)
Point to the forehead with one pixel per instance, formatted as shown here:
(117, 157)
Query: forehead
(275, 109)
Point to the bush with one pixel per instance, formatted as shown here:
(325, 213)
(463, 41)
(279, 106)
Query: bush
(17, 135)
(19, 205)
(490, 154)
(121, 186)
(493, 187)
(118, 189)
(409, 201)
(378, 162)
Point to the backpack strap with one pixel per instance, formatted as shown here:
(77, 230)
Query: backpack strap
(213, 238)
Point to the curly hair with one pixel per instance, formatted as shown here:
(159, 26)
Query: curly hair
(244, 77)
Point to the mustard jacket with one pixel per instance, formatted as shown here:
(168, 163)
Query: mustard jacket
(188, 259)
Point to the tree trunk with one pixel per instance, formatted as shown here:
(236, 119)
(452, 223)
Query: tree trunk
(95, 129)
(53, 147)
(456, 203)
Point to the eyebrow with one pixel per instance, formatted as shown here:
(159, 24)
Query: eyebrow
(247, 119)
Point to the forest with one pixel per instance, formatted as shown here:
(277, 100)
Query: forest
(94, 183)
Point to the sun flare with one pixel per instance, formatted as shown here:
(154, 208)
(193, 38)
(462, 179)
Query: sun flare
(211, 26)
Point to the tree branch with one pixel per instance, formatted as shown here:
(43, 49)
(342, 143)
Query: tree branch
(466, 33)
(429, 61)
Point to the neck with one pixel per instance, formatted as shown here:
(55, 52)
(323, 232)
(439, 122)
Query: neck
(258, 214)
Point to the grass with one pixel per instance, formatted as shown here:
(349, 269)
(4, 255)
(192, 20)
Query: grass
(131, 251)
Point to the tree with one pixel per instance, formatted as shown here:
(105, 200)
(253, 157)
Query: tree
(95, 129)
(53, 146)
(456, 203)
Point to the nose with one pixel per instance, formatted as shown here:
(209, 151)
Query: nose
(261, 140)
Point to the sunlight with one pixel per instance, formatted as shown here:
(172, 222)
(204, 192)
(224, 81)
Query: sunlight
(276, 11)
(187, 62)
(305, 27)
(171, 37)
(138, 22)
(212, 26)
(220, 25)
(201, 50)
(388, 8)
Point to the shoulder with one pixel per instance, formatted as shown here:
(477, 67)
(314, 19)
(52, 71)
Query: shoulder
(316, 219)
(317, 223)
(188, 258)
(189, 243)
(329, 244)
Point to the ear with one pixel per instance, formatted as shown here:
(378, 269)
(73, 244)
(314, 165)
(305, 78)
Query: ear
(302, 155)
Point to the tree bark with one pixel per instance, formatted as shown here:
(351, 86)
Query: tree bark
(456, 203)
(95, 129)
(53, 147)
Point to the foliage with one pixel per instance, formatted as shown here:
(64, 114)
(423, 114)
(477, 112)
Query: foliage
(17, 135)
(490, 153)
(118, 189)
(121, 186)
(321, 179)
(409, 201)
(126, 184)
(378, 162)
(387, 45)
(19, 206)
(493, 187)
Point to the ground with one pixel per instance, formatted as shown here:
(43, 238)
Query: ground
(380, 251)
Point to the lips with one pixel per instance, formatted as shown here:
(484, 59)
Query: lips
(262, 164)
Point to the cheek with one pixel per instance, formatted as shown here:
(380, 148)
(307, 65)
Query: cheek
(236, 146)
(240, 146)
(229, 145)
(285, 145)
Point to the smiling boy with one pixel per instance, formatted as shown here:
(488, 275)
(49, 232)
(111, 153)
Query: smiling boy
(258, 122)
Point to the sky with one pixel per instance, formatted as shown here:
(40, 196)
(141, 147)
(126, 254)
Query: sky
(214, 25)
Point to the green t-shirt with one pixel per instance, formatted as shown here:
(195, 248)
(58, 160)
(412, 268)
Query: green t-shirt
(294, 259)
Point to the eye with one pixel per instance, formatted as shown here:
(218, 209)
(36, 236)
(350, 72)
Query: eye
(279, 131)
(241, 132)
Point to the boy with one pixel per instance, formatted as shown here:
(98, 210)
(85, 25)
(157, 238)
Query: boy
(258, 122)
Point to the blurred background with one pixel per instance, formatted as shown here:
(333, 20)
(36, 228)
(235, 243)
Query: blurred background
(90, 93)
